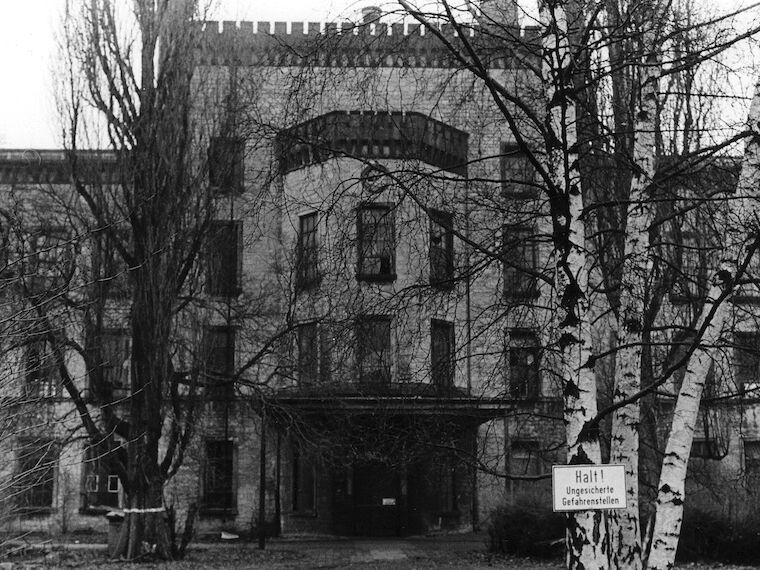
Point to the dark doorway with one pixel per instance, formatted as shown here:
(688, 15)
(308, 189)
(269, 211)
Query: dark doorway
(377, 500)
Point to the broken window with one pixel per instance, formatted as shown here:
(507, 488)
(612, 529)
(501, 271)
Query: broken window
(377, 243)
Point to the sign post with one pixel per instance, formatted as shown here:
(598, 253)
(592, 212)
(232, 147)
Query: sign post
(588, 487)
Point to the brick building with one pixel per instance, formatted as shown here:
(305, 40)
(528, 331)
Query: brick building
(374, 216)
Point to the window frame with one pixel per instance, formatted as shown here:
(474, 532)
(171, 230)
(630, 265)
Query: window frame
(509, 187)
(754, 471)
(46, 387)
(218, 381)
(103, 488)
(224, 266)
(307, 251)
(383, 373)
(226, 165)
(523, 342)
(443, 365)
(747, 343)
(368, 243)
(303, 475)
(441, 250)
(42, 486)
(212, 487)
(520, 282)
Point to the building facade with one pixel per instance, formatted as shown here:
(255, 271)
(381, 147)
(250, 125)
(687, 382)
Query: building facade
(380, 237)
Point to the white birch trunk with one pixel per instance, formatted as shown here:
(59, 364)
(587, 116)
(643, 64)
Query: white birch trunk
(586, 530)
(670, 499)
(624, 525)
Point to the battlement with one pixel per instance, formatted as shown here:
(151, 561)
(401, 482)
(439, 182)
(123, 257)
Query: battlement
(346, 44)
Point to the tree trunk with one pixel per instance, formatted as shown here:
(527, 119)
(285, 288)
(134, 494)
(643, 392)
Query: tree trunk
(625, 540)
(586, 530)
(670, 498)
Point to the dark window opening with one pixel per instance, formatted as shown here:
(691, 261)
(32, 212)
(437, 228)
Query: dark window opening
(225, 258)
(525, 459)
(50, 260)
(41, 371)
(524, 356)
(35, 480)
(304, 483)
(442, 349)
(111, 273)
(690, 282)
(101, 483)
(520, 262)
(441, 249)
(447, 486)
(220, 362)
(112, 380)
(218, 476)
(307, 261)
(374, 349)
(377, 243)
(752, 459)
(226, 164)
(747, 362)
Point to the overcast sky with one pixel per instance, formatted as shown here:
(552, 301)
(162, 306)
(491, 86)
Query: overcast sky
(27, 32)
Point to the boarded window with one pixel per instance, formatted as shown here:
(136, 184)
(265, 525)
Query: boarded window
(224, 262)
(523, 358)
(226, 164)
(441, 249)
(376, 243)
(442, 353)
(218, 476)
(373, 352)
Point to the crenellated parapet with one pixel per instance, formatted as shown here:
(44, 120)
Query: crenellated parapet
(346, 44)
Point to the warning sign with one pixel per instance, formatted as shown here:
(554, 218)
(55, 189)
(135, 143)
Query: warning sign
(588, 487)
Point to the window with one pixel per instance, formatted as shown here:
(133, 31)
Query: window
(101, 483)
(308, 353)
(109, 269)
(752, 458)
(519, 262)
(525, 459)
(307, 268)
(36, 463)
(218, 476)
(50, 259)
(524, 355)
(441, 249)
(690, 282)
(41, 370)
(377, 243)
(226, 164)
(304, 483)
(113, 352)
(517, 173)
(220, 362)
(442, 353)
(747, 361)
(374, 349)
(225, 258)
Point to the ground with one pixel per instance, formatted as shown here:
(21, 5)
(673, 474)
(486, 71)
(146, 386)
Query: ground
(466, 552)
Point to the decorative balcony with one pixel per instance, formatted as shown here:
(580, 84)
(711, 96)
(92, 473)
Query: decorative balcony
(373, 135)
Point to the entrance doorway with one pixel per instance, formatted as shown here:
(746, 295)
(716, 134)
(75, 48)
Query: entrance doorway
(377, 500)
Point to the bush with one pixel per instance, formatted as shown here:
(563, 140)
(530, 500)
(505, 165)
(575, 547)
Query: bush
(707, 536)
(526, 530)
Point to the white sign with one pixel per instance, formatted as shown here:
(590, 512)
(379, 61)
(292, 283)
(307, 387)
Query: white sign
(389, 502)
(588, 487)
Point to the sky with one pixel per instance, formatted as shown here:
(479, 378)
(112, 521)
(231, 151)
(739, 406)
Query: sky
(28, 28)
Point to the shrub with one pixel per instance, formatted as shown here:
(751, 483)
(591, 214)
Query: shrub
(713, 537)
(526, 530)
